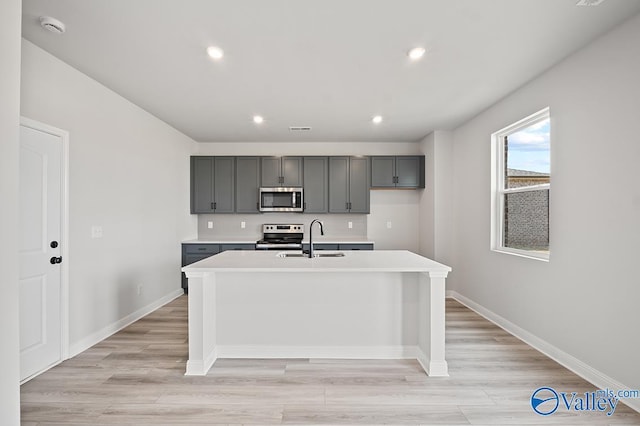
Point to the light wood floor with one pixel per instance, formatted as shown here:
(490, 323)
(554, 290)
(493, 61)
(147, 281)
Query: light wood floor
(136, 377)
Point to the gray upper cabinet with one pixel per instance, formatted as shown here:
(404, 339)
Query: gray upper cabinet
(281, 171)
(247, 184)
(348, 185)
(397, 172)
(316, 192)
(212, 184)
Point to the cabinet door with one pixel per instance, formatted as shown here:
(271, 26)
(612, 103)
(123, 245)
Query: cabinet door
(247, 184)
(202, 185)
(271, 172)
(291, 171)
(226, 247)
(224, 179)
(410, 172)
(316, 194)
(359, 185)
(383, 172)
(338, 184)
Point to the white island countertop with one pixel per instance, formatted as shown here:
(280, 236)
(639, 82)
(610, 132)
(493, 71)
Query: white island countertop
(352, 261)
(383, 304)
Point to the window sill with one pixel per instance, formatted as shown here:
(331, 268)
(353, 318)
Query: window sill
(535, 255)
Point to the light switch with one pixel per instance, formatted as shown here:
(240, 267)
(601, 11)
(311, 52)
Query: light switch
(210, 224)
(389, 225)
(96, 231)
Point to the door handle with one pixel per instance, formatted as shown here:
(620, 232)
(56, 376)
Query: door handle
(54, 260)
(54, 244)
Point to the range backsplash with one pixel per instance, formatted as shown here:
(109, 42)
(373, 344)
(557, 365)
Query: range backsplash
(228, 226)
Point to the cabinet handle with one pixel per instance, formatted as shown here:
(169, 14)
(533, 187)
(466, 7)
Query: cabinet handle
(215, 206)
(212, 206)
(346, 206)
(257, 206)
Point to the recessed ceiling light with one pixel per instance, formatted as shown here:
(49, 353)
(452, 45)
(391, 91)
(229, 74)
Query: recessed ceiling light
(416, 53)
(258, 119)
(377, 119)
(215, 52)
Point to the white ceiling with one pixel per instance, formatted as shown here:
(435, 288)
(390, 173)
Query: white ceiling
(328, 64)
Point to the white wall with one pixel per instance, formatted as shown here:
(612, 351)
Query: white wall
(585, 300)
(400, 207)
(10, 10)
(436, 203)
(129, 173)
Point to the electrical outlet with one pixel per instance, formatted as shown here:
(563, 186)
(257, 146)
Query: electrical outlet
(350, 225)
(210, 224)
(389, 225)
(243, 224)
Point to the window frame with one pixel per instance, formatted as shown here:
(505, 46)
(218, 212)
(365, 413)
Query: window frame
(499, 190)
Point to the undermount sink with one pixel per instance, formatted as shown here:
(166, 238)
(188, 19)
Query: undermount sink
(295, 254)
(337, 254)
(287, 254)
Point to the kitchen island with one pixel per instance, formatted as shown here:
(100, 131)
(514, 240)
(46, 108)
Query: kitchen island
(362, 304)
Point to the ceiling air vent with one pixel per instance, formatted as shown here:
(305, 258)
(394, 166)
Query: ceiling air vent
(300, 128)
(588, 2)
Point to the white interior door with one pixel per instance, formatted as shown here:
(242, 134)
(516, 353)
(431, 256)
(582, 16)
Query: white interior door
(41, 186)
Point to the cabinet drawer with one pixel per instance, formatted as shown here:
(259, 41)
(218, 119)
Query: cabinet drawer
(356, 246)
(225, 247)
(201, 248)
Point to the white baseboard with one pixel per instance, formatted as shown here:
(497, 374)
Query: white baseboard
(590, 374)
(330, 352)
(97, 337)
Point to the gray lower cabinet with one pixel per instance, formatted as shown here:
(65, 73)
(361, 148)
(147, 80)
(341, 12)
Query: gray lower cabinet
(320, 246)
(227, 246)
(349, 185)
(247, 184)
(212, 184)
(192, 253)
(397, 172)
(281, 171)
(356, 246)
(316, 191)
(340, 246)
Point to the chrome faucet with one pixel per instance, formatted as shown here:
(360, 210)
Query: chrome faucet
(311, 235)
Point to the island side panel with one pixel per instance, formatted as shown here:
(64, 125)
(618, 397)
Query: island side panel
(202, 323)
(431, 327)
(317, 314)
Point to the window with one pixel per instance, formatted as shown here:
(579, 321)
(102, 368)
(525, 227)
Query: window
(521, 184)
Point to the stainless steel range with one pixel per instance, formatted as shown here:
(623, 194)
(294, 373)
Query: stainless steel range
(281, 237)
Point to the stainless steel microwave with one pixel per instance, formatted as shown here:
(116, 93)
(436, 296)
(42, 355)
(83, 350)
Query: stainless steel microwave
(278, 199)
